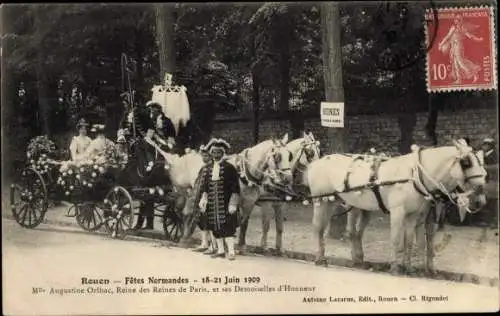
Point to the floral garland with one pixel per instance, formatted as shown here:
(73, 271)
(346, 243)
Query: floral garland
(84, 176)
(39, 151)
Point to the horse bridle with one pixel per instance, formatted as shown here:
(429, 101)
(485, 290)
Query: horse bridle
(466, 163)
(440, 191)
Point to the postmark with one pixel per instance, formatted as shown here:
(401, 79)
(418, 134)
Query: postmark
(464, 54)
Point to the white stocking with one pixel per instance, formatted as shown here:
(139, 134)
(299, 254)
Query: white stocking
(220, 245)
(230, 245)
(212, 239)
(205, 235)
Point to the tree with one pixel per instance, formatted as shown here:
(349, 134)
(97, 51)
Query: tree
(334, 88)
(165, 38)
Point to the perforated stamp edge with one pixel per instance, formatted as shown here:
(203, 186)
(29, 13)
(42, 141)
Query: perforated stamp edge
(493, 52)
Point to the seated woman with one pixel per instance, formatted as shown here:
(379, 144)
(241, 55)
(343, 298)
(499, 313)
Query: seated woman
(79, 143)
(98, 146)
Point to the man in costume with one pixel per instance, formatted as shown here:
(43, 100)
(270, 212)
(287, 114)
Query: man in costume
(220, 198)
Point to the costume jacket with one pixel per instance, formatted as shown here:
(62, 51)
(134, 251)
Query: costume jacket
(163, 126)
(220, 194)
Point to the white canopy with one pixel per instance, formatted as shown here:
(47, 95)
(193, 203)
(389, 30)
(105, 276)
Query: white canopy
(173, 101)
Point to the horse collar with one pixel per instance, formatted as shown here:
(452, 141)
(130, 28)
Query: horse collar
(246, 174)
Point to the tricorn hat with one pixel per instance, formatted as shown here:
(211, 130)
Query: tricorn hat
(217, 143)
(82, 122)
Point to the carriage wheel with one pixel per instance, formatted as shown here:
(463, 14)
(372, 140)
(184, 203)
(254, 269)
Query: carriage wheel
(89, 217)
(118, 212)
(28, 199)
(189, 224)
(72, 211)
(173, 225)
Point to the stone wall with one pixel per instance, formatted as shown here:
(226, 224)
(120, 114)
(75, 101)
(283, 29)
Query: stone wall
(365, 131)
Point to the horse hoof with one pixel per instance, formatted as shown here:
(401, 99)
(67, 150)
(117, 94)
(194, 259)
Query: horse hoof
(347, 236)
(359, 264)
(397, 269)
(261, 250)
(321, 262)
(241, 250)
(412, 271)
(278, 252)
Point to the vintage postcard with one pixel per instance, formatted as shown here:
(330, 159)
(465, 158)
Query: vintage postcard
(249, 158)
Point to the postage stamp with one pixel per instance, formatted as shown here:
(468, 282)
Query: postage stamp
(463, 56)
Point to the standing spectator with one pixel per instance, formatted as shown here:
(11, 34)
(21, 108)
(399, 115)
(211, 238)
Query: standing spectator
(208, 245)
(489, 151)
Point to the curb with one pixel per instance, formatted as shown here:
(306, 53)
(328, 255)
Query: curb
(375, 267)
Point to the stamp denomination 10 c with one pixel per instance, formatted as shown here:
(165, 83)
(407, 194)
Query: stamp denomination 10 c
(463, 56)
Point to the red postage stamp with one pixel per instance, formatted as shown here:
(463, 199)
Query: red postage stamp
(461, 49)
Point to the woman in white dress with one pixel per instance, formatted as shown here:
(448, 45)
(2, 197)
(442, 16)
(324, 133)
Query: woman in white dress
(97, 146)
(80, 143)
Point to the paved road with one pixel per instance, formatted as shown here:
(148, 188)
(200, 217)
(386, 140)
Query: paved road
(55, 258)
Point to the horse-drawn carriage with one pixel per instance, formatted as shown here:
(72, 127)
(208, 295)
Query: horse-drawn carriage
(104, 191)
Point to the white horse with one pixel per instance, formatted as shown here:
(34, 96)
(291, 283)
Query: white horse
(268, 160)
(401, 186)
(295, 157)
(182, 170)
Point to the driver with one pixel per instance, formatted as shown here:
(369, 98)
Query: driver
(160, 129)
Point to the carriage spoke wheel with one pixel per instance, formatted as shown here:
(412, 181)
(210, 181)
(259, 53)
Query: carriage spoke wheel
(118, 212)
(173, 225)
(72, 211)
(28, 199)
(89, 216)
(189, 224)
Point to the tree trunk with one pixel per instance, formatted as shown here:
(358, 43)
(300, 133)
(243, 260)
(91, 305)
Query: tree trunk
(165, 38)
(139, 50)
(255, 96)
(41, 77)
(334, 90)
(435, 101)
(255, 106)
(9, 148)
(297, 123)
(407, 120)
(284, 53)
(407, 117)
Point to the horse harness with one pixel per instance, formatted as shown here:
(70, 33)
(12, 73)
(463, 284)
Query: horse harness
(373, 183)
(245, 176)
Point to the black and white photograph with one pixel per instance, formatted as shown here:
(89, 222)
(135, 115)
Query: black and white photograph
(249, 158)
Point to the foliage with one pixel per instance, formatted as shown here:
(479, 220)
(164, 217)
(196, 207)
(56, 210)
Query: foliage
(40, 146)
(222, 51)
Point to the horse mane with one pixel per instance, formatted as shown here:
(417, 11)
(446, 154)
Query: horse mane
(295, 144)
(260, 148)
